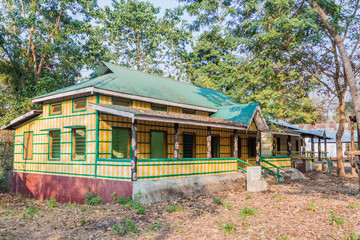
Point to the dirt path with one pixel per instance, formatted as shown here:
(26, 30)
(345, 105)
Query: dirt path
(318, 208)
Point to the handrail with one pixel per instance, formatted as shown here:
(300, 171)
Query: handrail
(243, 162)
(278, 175)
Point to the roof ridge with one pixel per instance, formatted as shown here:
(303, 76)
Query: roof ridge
(154, 75)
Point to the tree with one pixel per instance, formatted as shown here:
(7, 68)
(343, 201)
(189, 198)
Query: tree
(136, 37)
(215, 63)
(43, 47)
(295, 34)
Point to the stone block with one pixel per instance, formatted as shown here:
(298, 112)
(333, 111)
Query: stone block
(256, 186)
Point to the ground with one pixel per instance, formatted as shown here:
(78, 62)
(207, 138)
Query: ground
(321, 207)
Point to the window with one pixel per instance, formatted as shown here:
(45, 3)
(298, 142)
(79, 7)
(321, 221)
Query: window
(215, 146)
(120, 143)
(28, 143)
(232, 147)
(54, 145)
(278, 144)
(158, 107)
(121, 102)
(189, 111)
(252, 147)
(79, 147)
(79, 104)
(188, 145)
(55, 108)
(157, 145)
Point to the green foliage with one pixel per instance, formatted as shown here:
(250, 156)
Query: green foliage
(128, 202)
(82, 208)
(334, 218)
(248, 196)
(247, 211)
(312, 207)
(228, 205)
(217, 201)
(352, 236)
(43, 47)
(32, 210)
(173, 208)
(130, 227)
(228, 227)
(93, 198)
(52, 202)
(82, 221)
(353, 205)
(277, 197)
(155, 225)
(149, 42)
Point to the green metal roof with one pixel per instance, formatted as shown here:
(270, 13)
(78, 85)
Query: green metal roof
(241, 113)
(123, 80)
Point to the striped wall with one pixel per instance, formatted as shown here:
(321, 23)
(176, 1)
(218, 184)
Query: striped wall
(104, 166)
(40, 127)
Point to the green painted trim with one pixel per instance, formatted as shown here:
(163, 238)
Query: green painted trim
(172, 164)
(114, 177)
(72, 104)
(50, 104)
(185, 159)
(19, 136)
(113, 160)
(185, 174)
(53, 159)
(129, 141)
(97, 144)
(131, 101)
(105, 141)
(104, 129)
(66, 132)
(50, 129)
(40, 134)
(72, 146)
(52, 163)
(113, 165)
(40, 143)
(75, 126)
(75, 115)
(60, 173)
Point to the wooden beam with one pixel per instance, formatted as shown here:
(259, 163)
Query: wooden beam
(134, 151)
(289, 145)
(312, 149)
(319, 149)
(236, 144)
(208, 138)
(176, 141)
(303, 148)
(258, 137)
(274, 145)
(354, 153)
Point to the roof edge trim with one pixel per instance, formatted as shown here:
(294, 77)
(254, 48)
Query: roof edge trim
(21, 119)
(123, 95)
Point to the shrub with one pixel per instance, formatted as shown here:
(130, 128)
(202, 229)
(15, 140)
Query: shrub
(52, 202)
(353, 205)
(155, 225)
(248, 196)
(334, 218)
(228, 227)
(93, 198)
(123, 200)
(217, 201)
(352, 236)
(128, 202)
(31, 211)
(247, 211)
(129, 227)
(173, 208)
(312, 207)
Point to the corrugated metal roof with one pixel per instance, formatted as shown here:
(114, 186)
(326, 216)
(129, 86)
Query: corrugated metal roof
(241, 113)
(128, 81)
(145, 114)
(346, 138)
(21, 119)
(315, 133)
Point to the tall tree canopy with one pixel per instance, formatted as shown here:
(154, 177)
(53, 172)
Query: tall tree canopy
(43, 46)
(317, 40)
(136, 36)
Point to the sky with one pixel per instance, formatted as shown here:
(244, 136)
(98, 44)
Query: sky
(164, 4)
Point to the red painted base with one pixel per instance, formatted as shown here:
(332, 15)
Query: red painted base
(67, 189)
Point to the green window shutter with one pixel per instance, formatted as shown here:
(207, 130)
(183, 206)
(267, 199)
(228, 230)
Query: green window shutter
(188, 146)
(157, 147)
(79, 141)
(120, 143)
(55, 145)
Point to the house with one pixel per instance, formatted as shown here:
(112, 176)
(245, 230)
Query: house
(122, 127)
(330, 131)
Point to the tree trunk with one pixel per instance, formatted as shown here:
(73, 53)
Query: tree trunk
(339, 134)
